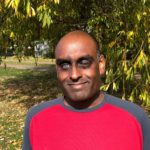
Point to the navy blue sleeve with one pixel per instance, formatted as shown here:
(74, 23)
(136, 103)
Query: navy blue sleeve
(32, 112)
(26, 138)
(138, 113)
(146, 131)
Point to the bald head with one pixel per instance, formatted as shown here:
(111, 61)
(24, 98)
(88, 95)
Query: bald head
(78, 67)
(75, 37)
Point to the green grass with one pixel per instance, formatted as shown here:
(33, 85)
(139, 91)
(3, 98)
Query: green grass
(28, 61)
(20, 90)
(9, 72)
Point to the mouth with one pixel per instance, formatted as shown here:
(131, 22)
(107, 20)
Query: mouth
(78, 85)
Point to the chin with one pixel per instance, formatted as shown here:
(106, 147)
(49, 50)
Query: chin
(77, 98)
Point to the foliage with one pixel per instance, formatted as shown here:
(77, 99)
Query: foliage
(121, 28)
(123, 31)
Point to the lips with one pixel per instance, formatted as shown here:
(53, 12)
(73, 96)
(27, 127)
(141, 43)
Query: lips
(78, 85)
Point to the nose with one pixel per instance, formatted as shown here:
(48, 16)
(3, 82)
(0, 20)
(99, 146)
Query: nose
(75, 73)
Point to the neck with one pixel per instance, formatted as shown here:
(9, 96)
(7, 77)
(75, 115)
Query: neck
(88, 103)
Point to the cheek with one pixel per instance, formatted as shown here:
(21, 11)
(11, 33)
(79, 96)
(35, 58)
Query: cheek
(61, 76)
(93, 73)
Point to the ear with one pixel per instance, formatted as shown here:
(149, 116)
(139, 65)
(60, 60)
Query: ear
(102, 63)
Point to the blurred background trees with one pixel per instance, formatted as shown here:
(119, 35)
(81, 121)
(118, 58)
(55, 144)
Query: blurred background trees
(122, 29)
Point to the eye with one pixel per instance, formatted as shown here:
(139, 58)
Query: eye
(65, 66)
(84, 63)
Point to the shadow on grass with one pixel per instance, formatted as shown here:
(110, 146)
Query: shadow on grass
(32, 87)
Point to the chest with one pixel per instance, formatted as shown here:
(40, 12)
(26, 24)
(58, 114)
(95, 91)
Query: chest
(87, 131)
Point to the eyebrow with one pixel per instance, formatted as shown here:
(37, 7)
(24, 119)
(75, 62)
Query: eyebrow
(86, 57)
(60, 61)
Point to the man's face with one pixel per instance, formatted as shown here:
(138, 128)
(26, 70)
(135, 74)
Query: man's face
(78, 68)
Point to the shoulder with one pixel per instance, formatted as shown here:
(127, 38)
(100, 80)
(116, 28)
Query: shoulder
(129, 107)
(40, 107)
(134, 111)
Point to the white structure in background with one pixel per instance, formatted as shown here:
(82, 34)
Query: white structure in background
(41, 49)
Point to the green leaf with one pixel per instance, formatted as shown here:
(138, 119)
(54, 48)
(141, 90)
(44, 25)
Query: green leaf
(17, 3)
(28, 7)
(105, 87)
(139, 16)
(115, 86)
(44, 20)
(12, 35)
(111, 44)
(130, 34)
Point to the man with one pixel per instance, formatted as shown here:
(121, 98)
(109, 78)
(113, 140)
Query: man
(84, 118)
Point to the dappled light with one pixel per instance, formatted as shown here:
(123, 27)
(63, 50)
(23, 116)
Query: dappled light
(31, 88)
(19, 91)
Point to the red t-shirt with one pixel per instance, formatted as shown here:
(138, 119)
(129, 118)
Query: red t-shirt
(111, 125)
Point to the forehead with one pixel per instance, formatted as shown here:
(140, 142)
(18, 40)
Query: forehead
(75, 46)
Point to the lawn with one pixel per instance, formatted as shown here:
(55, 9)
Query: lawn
(19, 90)
(28, 60)
(26, 63)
